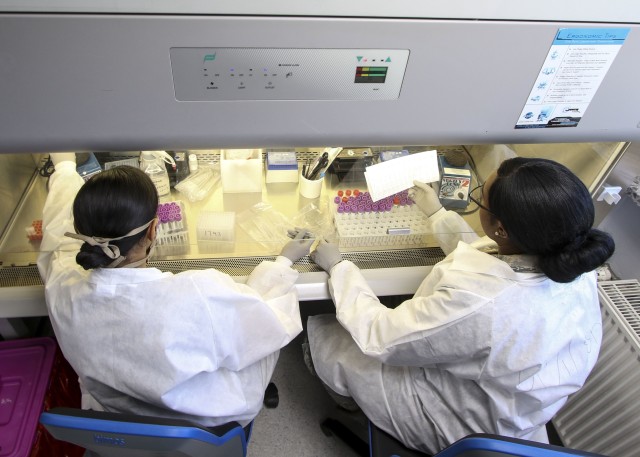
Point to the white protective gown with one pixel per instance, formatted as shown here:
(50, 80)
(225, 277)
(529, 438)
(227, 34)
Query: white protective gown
(195, 345)
(486, 344)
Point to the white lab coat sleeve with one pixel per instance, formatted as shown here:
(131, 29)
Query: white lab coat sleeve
(275, 282)
(57, 219)
(422, 331)
(248, 320)
(449, 228)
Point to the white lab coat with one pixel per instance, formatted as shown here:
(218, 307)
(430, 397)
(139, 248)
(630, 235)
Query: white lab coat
(479, 347)
(195, 345)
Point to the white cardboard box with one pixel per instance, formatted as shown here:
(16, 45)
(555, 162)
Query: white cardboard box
(241, 174)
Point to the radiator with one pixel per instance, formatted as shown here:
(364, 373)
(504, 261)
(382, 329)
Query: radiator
(604, 416)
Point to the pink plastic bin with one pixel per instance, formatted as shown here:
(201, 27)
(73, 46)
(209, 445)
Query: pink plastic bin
(25, 366)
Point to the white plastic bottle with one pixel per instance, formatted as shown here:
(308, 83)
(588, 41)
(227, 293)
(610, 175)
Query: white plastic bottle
(152, 163)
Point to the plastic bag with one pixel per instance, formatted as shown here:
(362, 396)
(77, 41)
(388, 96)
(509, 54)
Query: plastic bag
(200, 183)
(317, 220)
(265, 225)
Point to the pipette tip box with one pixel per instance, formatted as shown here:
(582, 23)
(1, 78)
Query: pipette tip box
(282, 166)
(216, 231)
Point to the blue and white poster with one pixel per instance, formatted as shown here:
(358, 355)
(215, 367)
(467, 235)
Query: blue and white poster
(575, 66)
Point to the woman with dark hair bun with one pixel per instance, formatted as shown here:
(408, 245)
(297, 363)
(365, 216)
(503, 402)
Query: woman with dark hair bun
(496, 337)
(541, 208)
(195, 345)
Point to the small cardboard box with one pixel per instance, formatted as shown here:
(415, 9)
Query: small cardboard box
(241, 170)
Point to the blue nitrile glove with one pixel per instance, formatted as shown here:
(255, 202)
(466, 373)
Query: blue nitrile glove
(326, 255)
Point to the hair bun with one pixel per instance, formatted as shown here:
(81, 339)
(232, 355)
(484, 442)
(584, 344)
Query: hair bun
(577, 242)
(92, 257)
(588, 251)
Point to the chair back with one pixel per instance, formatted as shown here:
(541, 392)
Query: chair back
(487, 445)
(106, 434)
(381, 444)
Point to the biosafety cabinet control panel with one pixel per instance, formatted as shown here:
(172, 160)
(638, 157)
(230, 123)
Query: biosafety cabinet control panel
(216, 74)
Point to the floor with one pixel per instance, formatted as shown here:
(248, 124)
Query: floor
(293, 428)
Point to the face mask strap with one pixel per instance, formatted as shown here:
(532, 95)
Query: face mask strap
(110, 250)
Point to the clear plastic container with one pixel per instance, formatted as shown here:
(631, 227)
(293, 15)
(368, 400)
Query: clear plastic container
(153, 165)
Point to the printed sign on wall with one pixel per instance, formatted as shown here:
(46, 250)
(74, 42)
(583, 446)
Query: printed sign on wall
(575, 66)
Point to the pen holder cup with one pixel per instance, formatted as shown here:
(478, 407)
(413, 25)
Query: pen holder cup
(310, 189)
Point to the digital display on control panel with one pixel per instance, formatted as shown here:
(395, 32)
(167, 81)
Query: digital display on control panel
(371, 74)
(217, 74)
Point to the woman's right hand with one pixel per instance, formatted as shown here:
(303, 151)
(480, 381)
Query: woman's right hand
(425, 197)
(326, 255)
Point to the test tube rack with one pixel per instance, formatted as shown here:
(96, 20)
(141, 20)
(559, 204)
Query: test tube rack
(172, 236)
(394, 222)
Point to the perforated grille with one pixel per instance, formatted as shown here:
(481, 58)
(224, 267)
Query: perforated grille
(624, 297)
(604, 416)
(20, 276)
(242, 266)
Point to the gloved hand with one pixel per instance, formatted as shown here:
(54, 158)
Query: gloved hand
(326, 255)
(57, 157)
(298, 247)
(294, 233)
(425, 198)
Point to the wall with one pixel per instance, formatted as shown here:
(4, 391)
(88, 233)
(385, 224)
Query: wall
(622, 221)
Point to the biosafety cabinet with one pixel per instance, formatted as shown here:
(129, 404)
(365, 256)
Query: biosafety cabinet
(482, 82)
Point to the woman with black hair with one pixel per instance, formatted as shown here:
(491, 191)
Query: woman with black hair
(195, 345)
(499, 333)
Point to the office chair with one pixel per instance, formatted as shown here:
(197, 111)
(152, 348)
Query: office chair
(487, 445)
(381, 444)
(105, 434)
